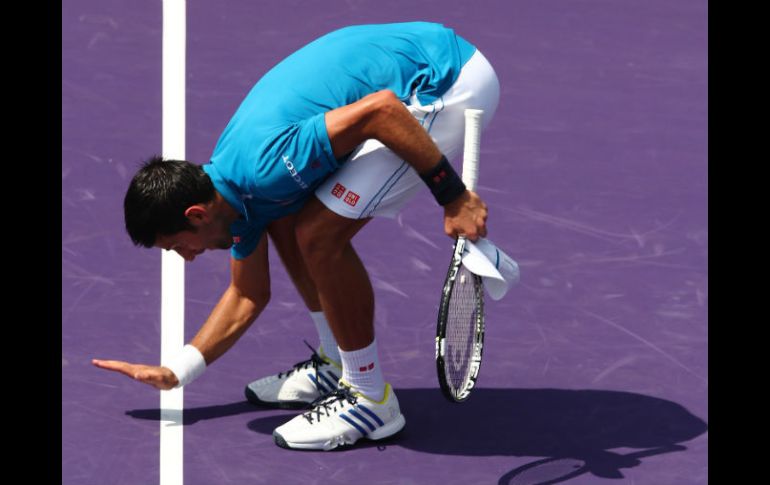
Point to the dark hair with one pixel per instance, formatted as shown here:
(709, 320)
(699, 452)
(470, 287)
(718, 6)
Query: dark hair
(158, 196)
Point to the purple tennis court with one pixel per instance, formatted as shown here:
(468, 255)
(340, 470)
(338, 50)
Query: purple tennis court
(595, 172)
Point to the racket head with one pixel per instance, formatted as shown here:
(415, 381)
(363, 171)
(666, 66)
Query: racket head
(460, 329)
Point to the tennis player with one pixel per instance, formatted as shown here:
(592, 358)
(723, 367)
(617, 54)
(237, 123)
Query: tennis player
(347, 128)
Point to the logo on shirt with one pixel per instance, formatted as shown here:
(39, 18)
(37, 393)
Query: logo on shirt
(351, 198)
(236, 239)
(338, 191)
(293, 172)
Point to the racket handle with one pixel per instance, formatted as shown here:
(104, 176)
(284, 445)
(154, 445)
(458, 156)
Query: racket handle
(472, 147)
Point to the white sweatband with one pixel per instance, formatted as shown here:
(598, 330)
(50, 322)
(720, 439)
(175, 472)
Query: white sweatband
(187, 365)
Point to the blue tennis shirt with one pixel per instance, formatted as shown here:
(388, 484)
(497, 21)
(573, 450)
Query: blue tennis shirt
(275, 151)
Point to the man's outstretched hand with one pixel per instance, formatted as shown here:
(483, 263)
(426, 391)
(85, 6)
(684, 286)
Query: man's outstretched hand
(466, 216)
(159, 377)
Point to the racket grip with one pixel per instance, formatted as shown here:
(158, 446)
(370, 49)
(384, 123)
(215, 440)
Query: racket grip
(472, 147)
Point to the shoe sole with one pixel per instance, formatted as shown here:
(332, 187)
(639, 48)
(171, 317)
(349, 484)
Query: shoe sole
(251, 396)
(384, 432)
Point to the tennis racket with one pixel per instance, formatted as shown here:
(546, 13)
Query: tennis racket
(460, 329)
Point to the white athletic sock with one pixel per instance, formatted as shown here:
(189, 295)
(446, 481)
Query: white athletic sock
(361, 369)
(328, 344)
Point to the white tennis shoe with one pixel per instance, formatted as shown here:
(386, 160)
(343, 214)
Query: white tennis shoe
(298, 387)
(340, 419)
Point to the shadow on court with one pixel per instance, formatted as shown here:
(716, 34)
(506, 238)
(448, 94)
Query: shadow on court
(193, 415)
(573, 430)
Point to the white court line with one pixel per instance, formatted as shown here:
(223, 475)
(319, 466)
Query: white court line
(172, 265)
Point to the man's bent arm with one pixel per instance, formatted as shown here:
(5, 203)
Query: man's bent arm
(239, 306)
(242, 302)
(382, 116)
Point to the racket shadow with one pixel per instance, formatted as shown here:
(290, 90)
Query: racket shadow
(573, 429)
(541, 422)
(558, 470)
(570, 432)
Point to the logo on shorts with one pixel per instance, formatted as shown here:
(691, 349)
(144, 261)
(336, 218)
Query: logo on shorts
(351, 198)
(236, 239)
(338, 191)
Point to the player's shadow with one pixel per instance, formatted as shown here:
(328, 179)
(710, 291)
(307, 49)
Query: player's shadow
(193, 415)
(571, 429)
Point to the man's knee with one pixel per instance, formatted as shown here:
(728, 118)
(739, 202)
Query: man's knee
(311, 239)
(318, 233)
(321, 234)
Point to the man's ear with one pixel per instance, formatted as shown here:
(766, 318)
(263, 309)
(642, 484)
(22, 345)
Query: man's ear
(197, 215)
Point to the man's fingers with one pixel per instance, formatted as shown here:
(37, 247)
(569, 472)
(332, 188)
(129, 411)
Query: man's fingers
(106, 364)
(115, 365)
(150, 375)
(467, 217)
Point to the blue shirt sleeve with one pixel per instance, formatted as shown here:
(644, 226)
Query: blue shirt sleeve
(299, 157)
(246, 237)
(293, 162)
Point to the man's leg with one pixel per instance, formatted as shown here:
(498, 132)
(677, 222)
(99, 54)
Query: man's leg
(345, 292)
(341, 280)
(363, 406)
(283, 234)
(313, 378)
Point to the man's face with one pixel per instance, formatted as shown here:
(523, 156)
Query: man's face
(189, 244)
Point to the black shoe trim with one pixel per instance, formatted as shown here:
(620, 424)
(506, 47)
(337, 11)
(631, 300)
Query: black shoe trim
(280, 441)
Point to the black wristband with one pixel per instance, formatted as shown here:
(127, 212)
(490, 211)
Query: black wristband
(443, 182)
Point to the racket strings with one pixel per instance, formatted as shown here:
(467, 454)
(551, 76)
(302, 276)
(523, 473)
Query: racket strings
(460, 329)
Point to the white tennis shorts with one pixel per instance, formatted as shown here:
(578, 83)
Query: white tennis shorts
(376, 182)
